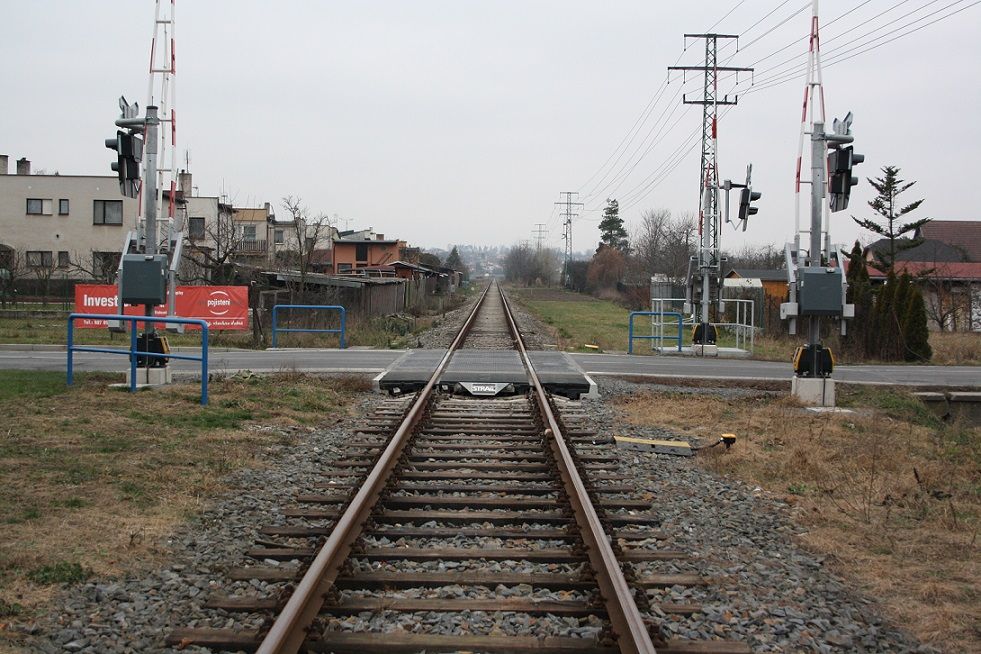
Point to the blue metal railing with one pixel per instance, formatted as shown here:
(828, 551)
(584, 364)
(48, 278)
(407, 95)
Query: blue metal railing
(656, 337)
(133, 352)
(341, 330)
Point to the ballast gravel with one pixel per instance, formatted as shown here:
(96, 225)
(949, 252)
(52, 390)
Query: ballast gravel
(763, 589)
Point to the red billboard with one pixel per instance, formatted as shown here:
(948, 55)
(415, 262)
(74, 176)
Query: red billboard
(222, 307)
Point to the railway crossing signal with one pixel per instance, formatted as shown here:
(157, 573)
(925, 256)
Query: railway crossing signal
(746, 197)
(840, 163)
(129, 153)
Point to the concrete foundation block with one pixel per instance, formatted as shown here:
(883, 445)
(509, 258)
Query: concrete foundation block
(705, 350)
(151, 376)
(813, 391)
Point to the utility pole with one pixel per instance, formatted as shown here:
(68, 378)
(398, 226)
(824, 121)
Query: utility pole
(817, 283)
(571, 207)
(539, 233)
(705, 270)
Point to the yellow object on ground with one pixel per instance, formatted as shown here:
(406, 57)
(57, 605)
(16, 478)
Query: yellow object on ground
(679, 448)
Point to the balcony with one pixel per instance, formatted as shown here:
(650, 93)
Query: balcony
(252, 247)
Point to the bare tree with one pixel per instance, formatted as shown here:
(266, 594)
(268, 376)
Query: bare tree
(764, 257)
(100, 267)
(531, 267)
(12, 268)
(211, 258)
(649, 239)
(947, 301)
(42, 266)
(306, 233)
(679, 245)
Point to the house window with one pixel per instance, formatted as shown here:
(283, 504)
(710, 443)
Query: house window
(248, 232)
(195, 227)
(64, 260)
(107, 212)
(105, 264)
(309, 242)
(38, 207)
(343, 268)
(361, 253)
(39, 259)
(279, 237)
(63, 207)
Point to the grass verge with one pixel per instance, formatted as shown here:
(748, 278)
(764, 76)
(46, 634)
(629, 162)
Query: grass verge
(577, 319)
(889, 494)
(92, 477)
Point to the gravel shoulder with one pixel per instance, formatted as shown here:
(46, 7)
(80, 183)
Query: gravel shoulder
(767, 590)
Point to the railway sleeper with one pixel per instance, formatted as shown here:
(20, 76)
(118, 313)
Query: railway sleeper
(461, 554)
(354, 605)
(358, 643)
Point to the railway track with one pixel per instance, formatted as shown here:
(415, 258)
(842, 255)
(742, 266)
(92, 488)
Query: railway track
(468, 524)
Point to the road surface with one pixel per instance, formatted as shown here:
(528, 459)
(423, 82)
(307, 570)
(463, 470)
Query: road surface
(375, 361)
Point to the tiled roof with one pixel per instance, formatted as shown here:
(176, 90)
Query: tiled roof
(962, 270)
(933, 250)
(964, 234)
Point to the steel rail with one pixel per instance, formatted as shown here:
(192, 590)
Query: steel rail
(628, 624)
(290, 629)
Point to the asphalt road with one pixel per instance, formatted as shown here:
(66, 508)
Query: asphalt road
(375, 361)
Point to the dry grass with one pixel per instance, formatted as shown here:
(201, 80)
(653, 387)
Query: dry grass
(890, 494)
(956, 348)
(949, 349)
(92, 477)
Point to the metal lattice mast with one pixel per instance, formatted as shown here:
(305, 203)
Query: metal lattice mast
(540, 232)
(162, 93)
(567, 216)
(709, 259)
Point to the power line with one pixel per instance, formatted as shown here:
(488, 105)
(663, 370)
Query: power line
(625, 170)
(794, 60)
(631, 134)
(794, 73)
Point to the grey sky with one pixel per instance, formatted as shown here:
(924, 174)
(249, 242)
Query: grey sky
(460, 121)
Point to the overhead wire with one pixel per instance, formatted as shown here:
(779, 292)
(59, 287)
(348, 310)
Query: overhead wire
(632, 133)
(861, 45)
(795, 60)
(637, 193)
(645, 186)
(626, 170)
(838, 55)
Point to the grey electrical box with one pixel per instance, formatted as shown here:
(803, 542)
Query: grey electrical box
(819, 291)
(144, 279)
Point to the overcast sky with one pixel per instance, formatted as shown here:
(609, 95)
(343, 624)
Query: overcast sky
(460, 121)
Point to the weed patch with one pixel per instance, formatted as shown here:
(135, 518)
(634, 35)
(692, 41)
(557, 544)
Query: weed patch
(888, 494)
(92, 477)
(62, 572)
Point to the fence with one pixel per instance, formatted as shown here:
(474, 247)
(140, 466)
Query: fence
(341, 330)
(742, 325)
(132, 351)
(660, 337)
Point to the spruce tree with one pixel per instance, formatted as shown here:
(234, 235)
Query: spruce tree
(900, 300)
(882, 337)
(454, 261)
(886, 204)
(860, 295)
(915, 328)
(612, 232)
